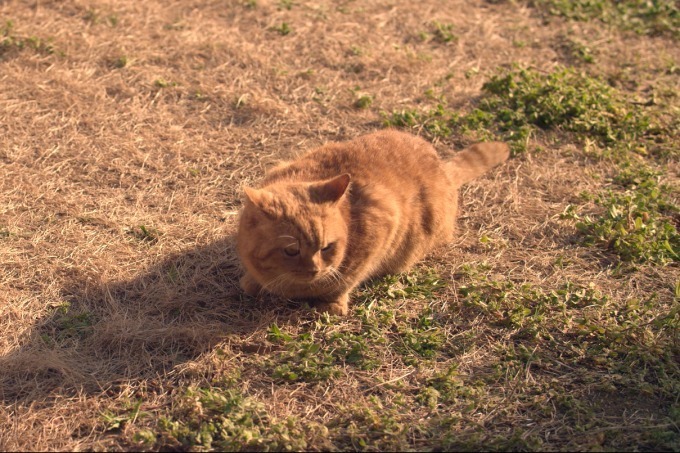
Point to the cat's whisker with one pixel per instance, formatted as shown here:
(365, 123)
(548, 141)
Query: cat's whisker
(276, 284)
(334, 277)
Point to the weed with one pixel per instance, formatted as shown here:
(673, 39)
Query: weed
(428, 396)
(373, 425)
(443, 32)
(162, 83)
(9, 41)
(69, 324)
(637, 223)
(517, 102)
(658, 17)
(632, 338)
(283, 29)
(95, 17)
(578, 51)
(113, 421)
(356, 51)
(449, 386)
(470, 73)
(222, 419)
(144, 436)
(353, 349)
(364, 101)
(145, 234)
(423, 337)
(286, 4)
(415, 338)
(315, 355)
(276, 335)
(437, 122)
(172, 273)
(304, 359)
(419, 284)
(120, 62)
(566, 100)
(527, 311)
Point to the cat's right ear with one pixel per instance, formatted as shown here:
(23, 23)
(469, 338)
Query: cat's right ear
(264, 200)
(260, 198)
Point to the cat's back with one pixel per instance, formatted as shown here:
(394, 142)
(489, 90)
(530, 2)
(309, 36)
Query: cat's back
(389, 158)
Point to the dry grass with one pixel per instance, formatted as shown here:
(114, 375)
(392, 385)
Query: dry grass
(127, 130)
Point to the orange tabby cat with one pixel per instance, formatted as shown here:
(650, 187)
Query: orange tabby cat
(345, 212)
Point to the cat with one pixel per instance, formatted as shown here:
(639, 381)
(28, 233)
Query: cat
(320, 225)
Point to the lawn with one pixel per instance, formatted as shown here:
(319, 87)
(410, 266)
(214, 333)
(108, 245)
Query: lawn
(128, 130)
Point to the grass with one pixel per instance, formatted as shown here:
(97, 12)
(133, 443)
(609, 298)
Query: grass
(519, 102)
(144, 234)
(638, 221)
(10, 41)
(221, 419)
(283, 29)
(441, 33)
(658, 17)
(549, 323)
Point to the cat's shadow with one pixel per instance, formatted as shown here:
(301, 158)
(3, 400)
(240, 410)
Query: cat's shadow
(105, 334)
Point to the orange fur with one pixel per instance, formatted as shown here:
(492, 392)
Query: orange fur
(320, 225)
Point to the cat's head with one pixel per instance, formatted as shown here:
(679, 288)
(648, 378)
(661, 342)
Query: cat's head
(293, 235)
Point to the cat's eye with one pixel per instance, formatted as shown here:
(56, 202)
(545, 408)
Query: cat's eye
(328, 247)
(291, 250)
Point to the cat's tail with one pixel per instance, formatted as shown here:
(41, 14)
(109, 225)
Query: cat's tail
(476, 160)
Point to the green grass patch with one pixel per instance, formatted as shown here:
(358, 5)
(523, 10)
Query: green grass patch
(283, 29)
(373, 426)
(305, 358)
(161, 82)
(578, 51)
(632, 339)
(130, 412)
(96, 17)
(321, 351)
(419, 284)
(414, 334)
(221, 419)
(567, 100)
(9, 41)
(355, 349)
(516, 103)
(363, 101)
(68, 324)
(145, 234)
(657, 17)
(639, 219)
(526, 311)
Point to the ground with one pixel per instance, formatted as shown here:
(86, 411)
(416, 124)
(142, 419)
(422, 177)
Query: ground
(128, 130)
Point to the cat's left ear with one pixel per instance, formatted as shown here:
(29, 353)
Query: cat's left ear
(331, 190)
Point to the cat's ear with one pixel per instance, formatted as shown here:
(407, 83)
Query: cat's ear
(255, 196)
(331, 190)
(260, 198)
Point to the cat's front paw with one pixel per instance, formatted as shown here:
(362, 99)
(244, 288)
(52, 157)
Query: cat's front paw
(339, 306)
(250, 286)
